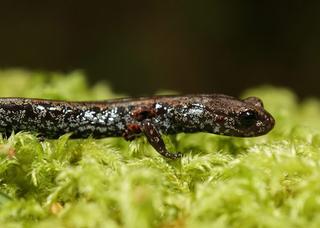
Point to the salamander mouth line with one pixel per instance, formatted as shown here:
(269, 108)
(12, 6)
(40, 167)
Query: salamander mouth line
(132, 117)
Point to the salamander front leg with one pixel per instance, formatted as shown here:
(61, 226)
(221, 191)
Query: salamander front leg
(154, 138)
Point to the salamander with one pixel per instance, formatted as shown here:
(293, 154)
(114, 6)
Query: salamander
(133, 117)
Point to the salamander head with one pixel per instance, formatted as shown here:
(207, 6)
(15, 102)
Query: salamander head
(254, 120)
(243, 118)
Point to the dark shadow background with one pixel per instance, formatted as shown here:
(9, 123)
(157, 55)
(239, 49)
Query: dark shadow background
(187, 46)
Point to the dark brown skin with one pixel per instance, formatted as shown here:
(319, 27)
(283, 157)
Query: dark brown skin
(150, 116)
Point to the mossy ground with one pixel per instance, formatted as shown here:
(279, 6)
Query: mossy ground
(269, 181)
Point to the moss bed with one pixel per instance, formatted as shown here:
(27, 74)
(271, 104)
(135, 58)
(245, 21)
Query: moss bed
(268, 181)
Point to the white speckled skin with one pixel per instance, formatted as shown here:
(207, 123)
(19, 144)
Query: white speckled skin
(215, 113)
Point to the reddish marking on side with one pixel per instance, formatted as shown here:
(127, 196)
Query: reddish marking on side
(142, 113)
(131, 131)
(220, 119)
(134, 128)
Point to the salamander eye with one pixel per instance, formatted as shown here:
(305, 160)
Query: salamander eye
(247, 118)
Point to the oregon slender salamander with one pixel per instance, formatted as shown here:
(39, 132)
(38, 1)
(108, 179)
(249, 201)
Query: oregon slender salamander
(214, 113)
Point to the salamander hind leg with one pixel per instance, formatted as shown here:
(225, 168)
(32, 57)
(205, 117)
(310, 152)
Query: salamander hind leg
(155, 139)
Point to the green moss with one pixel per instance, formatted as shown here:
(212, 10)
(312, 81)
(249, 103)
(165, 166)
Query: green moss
(269, 181)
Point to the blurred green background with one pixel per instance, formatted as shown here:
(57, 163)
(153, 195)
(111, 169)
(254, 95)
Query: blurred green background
(186, 46)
